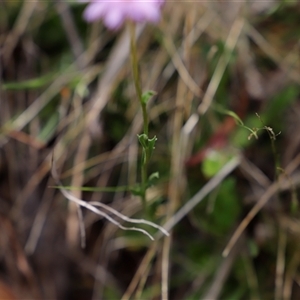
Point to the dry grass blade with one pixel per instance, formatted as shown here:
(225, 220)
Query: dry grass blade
(71, 30)
(176, 59)
(222, 273)
(280, 264)
(140, 272)
(210, 186)
(219, 71)
(290, 275)
(19, 28)
(287, 66)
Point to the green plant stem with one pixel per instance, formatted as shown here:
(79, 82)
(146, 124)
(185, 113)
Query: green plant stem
(137, 83)
(136, 77)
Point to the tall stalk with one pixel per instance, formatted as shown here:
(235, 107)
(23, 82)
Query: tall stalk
(137, 84)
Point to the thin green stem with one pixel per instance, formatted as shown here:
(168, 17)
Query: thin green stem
(94, 189)
(144, 169)
(137, 83)
(136, 77)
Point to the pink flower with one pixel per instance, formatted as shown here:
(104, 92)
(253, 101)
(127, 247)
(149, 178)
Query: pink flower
(114, 13)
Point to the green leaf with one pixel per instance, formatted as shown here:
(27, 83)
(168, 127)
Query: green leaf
(30, 84)
(214, 161)
(151, 145)
(143, 139)
(153, 179)
(49, 128)
(253, 248)
(246, 134)
(136, 191)
(230, 113)
(153, 176)
(107, 189)
(147, 96)
(223, 209)
(279, 104)
(144, 156)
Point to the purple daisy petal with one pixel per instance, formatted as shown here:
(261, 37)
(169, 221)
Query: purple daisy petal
(114, 19)
(144, 11)
(114, 13)
(95, 11)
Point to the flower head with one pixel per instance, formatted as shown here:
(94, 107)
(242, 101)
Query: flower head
(114, 13)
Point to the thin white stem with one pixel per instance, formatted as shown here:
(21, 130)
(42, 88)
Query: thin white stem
(85, 204)
(125, 218)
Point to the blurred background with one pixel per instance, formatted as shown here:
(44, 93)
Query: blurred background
(227, 79)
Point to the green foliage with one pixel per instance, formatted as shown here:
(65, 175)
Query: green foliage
(147, 96)
(278, 105)
(215, 161)
(117, 126)
(253, 248)
(153, 178)
(153, 291)
(52, 29)
(195, 263)
(35, 83)
(50, 127)
(242, 136)
(224, 212)
(148, 146)
(111, 293)
(199, 238)
(105, 189)
(235, 293)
